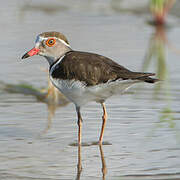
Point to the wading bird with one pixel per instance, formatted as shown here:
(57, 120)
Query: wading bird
(84, 76)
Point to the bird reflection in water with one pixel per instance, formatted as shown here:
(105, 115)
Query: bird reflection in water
(54, 100)
(79, 164)
(104, 169)
(50, 96)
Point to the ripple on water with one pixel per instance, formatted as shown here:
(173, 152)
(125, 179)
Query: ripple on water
(141, 139)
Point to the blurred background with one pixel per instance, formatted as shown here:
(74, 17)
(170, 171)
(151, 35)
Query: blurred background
(38, 129)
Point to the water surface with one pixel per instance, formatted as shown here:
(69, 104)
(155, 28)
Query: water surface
(142, 130)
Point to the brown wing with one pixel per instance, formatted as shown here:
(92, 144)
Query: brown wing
(94, 69)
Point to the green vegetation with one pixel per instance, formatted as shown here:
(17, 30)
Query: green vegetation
(160, 9)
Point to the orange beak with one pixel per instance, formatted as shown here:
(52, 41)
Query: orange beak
(32, 52)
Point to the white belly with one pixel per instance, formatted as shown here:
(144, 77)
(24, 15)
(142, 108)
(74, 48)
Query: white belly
(80, 94)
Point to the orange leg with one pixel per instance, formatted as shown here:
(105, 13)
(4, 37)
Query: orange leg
(79, 124)
(104, 118)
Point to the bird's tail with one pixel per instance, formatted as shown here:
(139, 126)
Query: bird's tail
(149, 79)
(146, 78)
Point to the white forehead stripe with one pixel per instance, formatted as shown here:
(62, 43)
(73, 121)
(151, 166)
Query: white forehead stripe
(64, 42)
(40, 39)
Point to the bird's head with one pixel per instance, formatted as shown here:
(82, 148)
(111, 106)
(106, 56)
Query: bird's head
(51, 45)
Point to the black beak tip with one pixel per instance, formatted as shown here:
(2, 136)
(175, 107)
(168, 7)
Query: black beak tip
(25, 56)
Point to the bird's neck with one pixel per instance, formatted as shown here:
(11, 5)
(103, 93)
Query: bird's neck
(52, 59)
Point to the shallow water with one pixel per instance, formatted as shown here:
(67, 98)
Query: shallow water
(142, 137)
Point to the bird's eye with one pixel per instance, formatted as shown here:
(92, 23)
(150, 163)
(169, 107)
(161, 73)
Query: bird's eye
(50, 42)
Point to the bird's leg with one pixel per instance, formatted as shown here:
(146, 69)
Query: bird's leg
(104, 118)
(79, 124)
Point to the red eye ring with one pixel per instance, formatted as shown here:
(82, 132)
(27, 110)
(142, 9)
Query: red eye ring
(50, 42)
